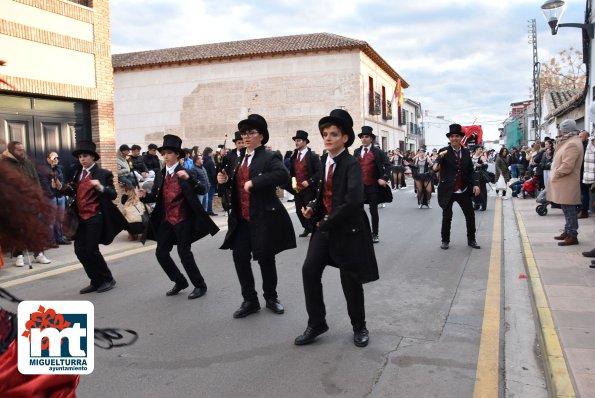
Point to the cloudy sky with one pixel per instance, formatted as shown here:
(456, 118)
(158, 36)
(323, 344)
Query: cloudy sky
(464, 59)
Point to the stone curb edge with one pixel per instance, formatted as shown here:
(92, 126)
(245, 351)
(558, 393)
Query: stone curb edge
(557, 369)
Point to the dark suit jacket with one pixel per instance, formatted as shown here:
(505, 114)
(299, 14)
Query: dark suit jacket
(271, 228)
(448, 174)
(230, 161)
(113, 220)
(348, 228)
(313, 166)
(201, 222)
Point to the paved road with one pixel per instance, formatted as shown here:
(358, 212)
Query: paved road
(425, 316)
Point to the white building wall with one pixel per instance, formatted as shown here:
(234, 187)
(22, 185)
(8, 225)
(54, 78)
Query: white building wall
(203, 102)
(435, 131)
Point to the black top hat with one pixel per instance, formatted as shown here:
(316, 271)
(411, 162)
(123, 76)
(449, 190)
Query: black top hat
(237, 137)
(341, 118)
(173, 143)
(257, 122)
(86, 147)
(455, 129)
(302, 135)
(367, 130)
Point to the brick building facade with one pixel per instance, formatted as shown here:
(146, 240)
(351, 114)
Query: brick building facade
(60, 77)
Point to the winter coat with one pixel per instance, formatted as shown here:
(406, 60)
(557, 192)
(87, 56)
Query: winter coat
(502, 168)
(564, 180)
(448, 174)
(24, 166)
(123, 166)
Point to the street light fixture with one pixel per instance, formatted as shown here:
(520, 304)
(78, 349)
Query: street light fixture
(552, 11)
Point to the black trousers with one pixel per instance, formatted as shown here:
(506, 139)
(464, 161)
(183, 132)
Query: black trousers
(180, 234)
(317, 259)
(481, 201)
(371, 193)
(301, 200)
(464, 200)
(242, 254)
(86, 248)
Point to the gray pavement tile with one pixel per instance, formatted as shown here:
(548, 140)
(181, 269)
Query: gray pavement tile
(574, 304)
(578, 292)
(586, 383)
(570, 276)
(574, 319)
(582, 360)
(577, 337)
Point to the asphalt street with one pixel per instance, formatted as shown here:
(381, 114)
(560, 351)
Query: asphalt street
(425, 317)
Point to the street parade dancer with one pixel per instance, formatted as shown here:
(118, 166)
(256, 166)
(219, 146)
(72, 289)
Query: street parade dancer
(178, 218)
(99, 220)
(376, 171)
(259, 226)
(341, 236)
(458, 182)
(304, 168)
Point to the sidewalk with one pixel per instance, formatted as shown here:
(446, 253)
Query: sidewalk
(569, 287)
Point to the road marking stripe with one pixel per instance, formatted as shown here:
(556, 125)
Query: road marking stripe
(559, 377)
(488, 361)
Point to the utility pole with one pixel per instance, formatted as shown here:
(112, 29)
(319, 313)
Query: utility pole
(536, 89)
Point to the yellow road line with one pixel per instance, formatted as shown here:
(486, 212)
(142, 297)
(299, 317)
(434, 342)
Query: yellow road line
(488, 363)
(557, 369)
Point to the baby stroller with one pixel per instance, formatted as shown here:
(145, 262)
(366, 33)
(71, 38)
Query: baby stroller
(541, 209)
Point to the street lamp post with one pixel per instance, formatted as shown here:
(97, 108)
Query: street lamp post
(554, 9)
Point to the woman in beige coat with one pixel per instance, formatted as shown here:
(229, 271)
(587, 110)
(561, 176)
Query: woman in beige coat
(564, 180)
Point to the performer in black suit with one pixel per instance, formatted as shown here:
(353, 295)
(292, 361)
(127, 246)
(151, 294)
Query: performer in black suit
(342, 235)
(259, 226)
(231, 158)
(458, 182)
(304, 166)
(178, 218)
(376, 171)
(99, 219)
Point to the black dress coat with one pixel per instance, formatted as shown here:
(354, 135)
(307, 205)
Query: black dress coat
(202, 224)
(113, 220)
(348, 228)
(270, 226)
(313, 166)
(448, 174)
(383, 171)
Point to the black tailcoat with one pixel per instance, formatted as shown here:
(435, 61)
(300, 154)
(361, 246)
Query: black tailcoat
(201, 222)
(113, 220)
(448, 174)
(270, 226)
(383, 166)
(313, 166)
(350, 236)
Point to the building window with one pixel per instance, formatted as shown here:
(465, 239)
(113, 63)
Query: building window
(371, 95)
(86, 3)
(383, 102)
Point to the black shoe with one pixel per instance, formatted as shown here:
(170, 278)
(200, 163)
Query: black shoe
(64, 242)
(88, 289)
(473, 244)
(590, 253)
(212, 214)
(105, 286)
(592, 264)
(197, 292)
(275, 306)
(375, 239)
(178, 287)
(361, 337)
(304, 234)
(444, 245)
(54, 246)
(247, 308)
(291, 200)
(310, 334)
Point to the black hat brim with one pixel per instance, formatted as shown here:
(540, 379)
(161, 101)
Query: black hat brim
(451, 133)
(301, 138)
(258, 126)
(345, 127)
(171, 148)
(370, 134)
(80, 151)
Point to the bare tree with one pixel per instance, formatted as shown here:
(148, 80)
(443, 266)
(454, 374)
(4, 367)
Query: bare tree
(566, 71)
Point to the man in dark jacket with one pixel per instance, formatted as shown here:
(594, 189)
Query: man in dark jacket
(304, 167)
(51, 179)
(375, 171)
(152, 160)
(178, 218)
(458, 182)
(209, 164)
(342, 235)
(229, 163)
(100, 219)
(259, 225)
(138, 163)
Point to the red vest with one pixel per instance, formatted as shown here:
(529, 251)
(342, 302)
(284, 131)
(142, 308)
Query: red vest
(242, 176)
(301, 170)
(174, 204)
(459, 179)
(368, 168)
(87, 199)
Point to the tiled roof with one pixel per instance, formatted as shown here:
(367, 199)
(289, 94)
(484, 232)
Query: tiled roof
(562, 101)
(249, 48)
